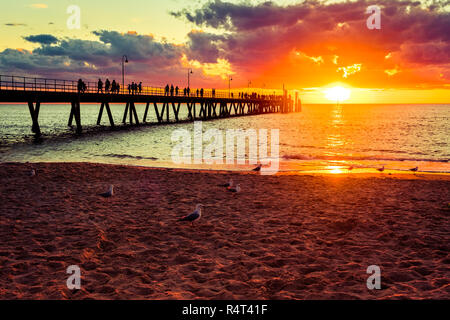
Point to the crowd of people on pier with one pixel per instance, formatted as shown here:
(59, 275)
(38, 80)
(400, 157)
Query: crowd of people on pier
(169, 91)
(110, 87)
(186, 92)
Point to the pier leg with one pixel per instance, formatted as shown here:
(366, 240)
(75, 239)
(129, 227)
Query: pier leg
(176, 111)
(77, 112)
(144, 120)
(189, 106)
(167, 112)
(108, 110)
(72, 112)
(131, 112)
(163, 112)
(125, 113)
(100, 114)
(157, 113)
(214, 107)
(133, 107)
(34, 112)
(202, 112)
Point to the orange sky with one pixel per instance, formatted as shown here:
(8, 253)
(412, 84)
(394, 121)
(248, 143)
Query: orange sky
(306, 46)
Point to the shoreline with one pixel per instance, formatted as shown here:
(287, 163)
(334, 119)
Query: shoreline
(298, 237)
(247, 170)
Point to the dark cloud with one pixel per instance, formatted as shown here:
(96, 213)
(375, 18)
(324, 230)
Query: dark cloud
(259, 34)
(230, 16)
(204, 47)
(15, 24)
(44, 39)
(64, 57)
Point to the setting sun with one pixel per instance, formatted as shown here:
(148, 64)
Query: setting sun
(337, 94)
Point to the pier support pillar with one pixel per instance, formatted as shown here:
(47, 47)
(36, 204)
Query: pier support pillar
(108, 110)
(34, 112)
(75, 113)
(130, 111)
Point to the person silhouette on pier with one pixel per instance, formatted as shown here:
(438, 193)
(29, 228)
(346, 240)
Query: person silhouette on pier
(188, 91)
(100, 86)
(172, 89)
(80, 85)
(176, 91)
(184, 92)
(166, 92)
(114, 86)
(129, 89)
(198, 92)
(107, 85)
(140, 87)
(201, 92)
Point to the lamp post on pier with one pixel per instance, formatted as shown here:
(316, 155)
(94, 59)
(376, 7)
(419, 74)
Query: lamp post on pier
(229, 86)
(124, 60)
(189, 77)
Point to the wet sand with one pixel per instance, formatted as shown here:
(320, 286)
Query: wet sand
(283, 237)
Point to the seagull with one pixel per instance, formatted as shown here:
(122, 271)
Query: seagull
(381, 169)
(236, 189)
(258, 168)
(108, 194)
(228, 185)
(32, 173)
(194, 216)
(414, 169)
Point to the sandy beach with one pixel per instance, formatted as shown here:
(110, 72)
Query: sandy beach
(282, 237)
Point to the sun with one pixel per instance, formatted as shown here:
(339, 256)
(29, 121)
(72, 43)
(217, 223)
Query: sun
(337, 94)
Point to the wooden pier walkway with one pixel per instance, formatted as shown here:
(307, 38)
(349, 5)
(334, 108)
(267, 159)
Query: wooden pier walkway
(211, 105)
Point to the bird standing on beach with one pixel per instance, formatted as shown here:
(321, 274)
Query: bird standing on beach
(258, 168)
(228, 185)
(414, 169)
(194, 216)
(109, 193)
(236, 189)
(32, 173)
(381, 169)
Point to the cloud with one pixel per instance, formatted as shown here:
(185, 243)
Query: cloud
(350, 70)
(42, 39)
(258, 39)
(317, 60)
(392, 72)
(15, 24)
(70, 58)
(38, 6)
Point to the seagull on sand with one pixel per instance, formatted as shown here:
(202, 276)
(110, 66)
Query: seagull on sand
(194, 216)
(228, 185)
(109, 193)
(414, 169)
(236, 189)
(258, 168)
(32, 173)
(381, 169)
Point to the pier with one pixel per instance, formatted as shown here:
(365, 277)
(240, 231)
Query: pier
(212, 104)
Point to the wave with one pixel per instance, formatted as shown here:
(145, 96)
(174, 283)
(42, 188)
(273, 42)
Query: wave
(127, 156)
(359, 158)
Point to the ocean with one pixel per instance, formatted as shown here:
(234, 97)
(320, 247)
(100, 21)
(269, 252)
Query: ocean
(322, 138)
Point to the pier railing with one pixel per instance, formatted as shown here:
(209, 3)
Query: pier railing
(18, 83)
